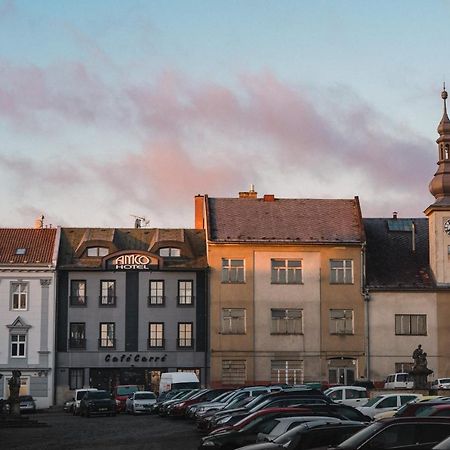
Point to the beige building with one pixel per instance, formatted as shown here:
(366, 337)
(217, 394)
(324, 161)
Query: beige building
(286, 302)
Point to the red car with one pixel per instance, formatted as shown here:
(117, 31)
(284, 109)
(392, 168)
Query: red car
(121, 393)
(179, 409)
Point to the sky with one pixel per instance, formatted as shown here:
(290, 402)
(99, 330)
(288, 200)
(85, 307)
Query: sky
(115, 109)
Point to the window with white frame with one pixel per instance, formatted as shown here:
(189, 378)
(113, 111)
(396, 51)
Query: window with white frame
(341, 271)
(97, 252)
(156, 293)
(286, 271)
(286, 321)
(233, 321)
(289, 372)
(185, 334)
(403, 367)
(411, 324)
(107, 338)
(107, 293)
(234, 371)
(233, 270)
(341, 321)
(19, 296)
(18, 345)
(185, 292)
(170, 252)
(156, 334)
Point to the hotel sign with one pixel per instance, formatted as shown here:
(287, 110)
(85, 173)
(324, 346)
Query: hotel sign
(132, 261)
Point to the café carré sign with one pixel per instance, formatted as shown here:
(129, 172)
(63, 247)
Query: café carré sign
(132, 261)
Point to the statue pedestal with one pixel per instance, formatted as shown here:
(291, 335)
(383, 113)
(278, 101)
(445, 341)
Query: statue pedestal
(419, 375)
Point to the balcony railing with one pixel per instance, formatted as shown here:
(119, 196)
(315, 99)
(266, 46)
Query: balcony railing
(107, 343)
(78, 343)
(156, 343)
(78, 300)
(107, 300)
(156, 300)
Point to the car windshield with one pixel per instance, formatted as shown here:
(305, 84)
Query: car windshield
(373, 400)
(358, 438)
(126, 390)
(444, 380)
(97, 395)
(144, 396)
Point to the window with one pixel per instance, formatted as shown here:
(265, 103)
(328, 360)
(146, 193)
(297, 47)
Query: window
(341, 271)
(107, 335)
(19, 296)
(21, 251)
(170, 252)
(185, 334)
(78, 293)
(185, 292)
(234, 371)
(156, 296)
(233, 321)
(287, 321)
(411, 324)
(289, 372)
(97, 251)
(156, 334)
(18, 345)
(76, 378)
(77, 335)
(107, 293)
(286, 271)
(341, 321)
(403, 367)
(233, 271)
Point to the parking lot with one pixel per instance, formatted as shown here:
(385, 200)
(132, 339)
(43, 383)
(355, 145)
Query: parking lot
(65, 431)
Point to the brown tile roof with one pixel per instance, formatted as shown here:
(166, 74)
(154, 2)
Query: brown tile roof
(191, 242)
(285, 220)
(39, 244)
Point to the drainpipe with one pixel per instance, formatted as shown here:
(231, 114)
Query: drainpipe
(366, 296)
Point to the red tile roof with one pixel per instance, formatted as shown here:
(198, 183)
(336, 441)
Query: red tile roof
(285, 220)
(39, 244)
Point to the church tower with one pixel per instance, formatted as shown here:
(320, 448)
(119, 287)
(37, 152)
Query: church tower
(439, 212)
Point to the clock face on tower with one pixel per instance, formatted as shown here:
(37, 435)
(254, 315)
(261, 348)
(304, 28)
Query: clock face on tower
(447, 226)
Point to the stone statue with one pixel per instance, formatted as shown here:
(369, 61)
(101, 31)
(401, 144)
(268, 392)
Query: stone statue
(14, 388)
(420, 370)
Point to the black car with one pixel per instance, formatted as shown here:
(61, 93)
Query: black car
(97, 403)
(311, 435)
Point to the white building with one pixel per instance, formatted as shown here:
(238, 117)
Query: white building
(27, 310)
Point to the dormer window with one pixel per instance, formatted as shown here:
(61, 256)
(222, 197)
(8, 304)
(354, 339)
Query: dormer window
(171, 252)
(21, 251)
(97, 251)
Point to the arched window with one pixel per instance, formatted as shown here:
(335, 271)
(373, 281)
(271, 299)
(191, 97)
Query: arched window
(97, 251)
(446, 151)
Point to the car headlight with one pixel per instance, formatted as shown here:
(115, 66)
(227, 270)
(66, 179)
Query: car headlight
(208, 443)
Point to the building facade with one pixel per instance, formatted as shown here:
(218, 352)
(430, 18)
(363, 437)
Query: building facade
(27, 310)
(132, 303)
(285, 289)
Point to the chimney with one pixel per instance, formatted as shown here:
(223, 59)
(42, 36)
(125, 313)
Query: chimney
(250, 194)
(394, 215)
(269, 197)
(39, 222)
(199, 202)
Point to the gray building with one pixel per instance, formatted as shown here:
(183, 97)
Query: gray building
(131, 304)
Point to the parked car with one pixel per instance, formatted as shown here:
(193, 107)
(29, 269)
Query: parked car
(339, 410)
(222, 398)
(97, 403)
(401, 380)
(440, 383)
(183, 395)
(311, 435)
(407, 433)
(386, 402)
(348, 395)
(443, 445)
(121, 393)
(68, 405)
(27, 404)
(178, 380)
(79, 394)
(140, 402)
(442, 410)
(408, 409)
(179, 409)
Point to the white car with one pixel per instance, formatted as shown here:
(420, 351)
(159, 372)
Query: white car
(386, 402)
(140, 402)
(79, 394)
(440, 383)
(348, 395)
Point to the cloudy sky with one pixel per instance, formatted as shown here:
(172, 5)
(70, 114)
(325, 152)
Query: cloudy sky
(110, 109)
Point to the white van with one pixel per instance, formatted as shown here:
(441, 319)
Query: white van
(79, 394)
(400, 380)
(178, 380)
(348, 395)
